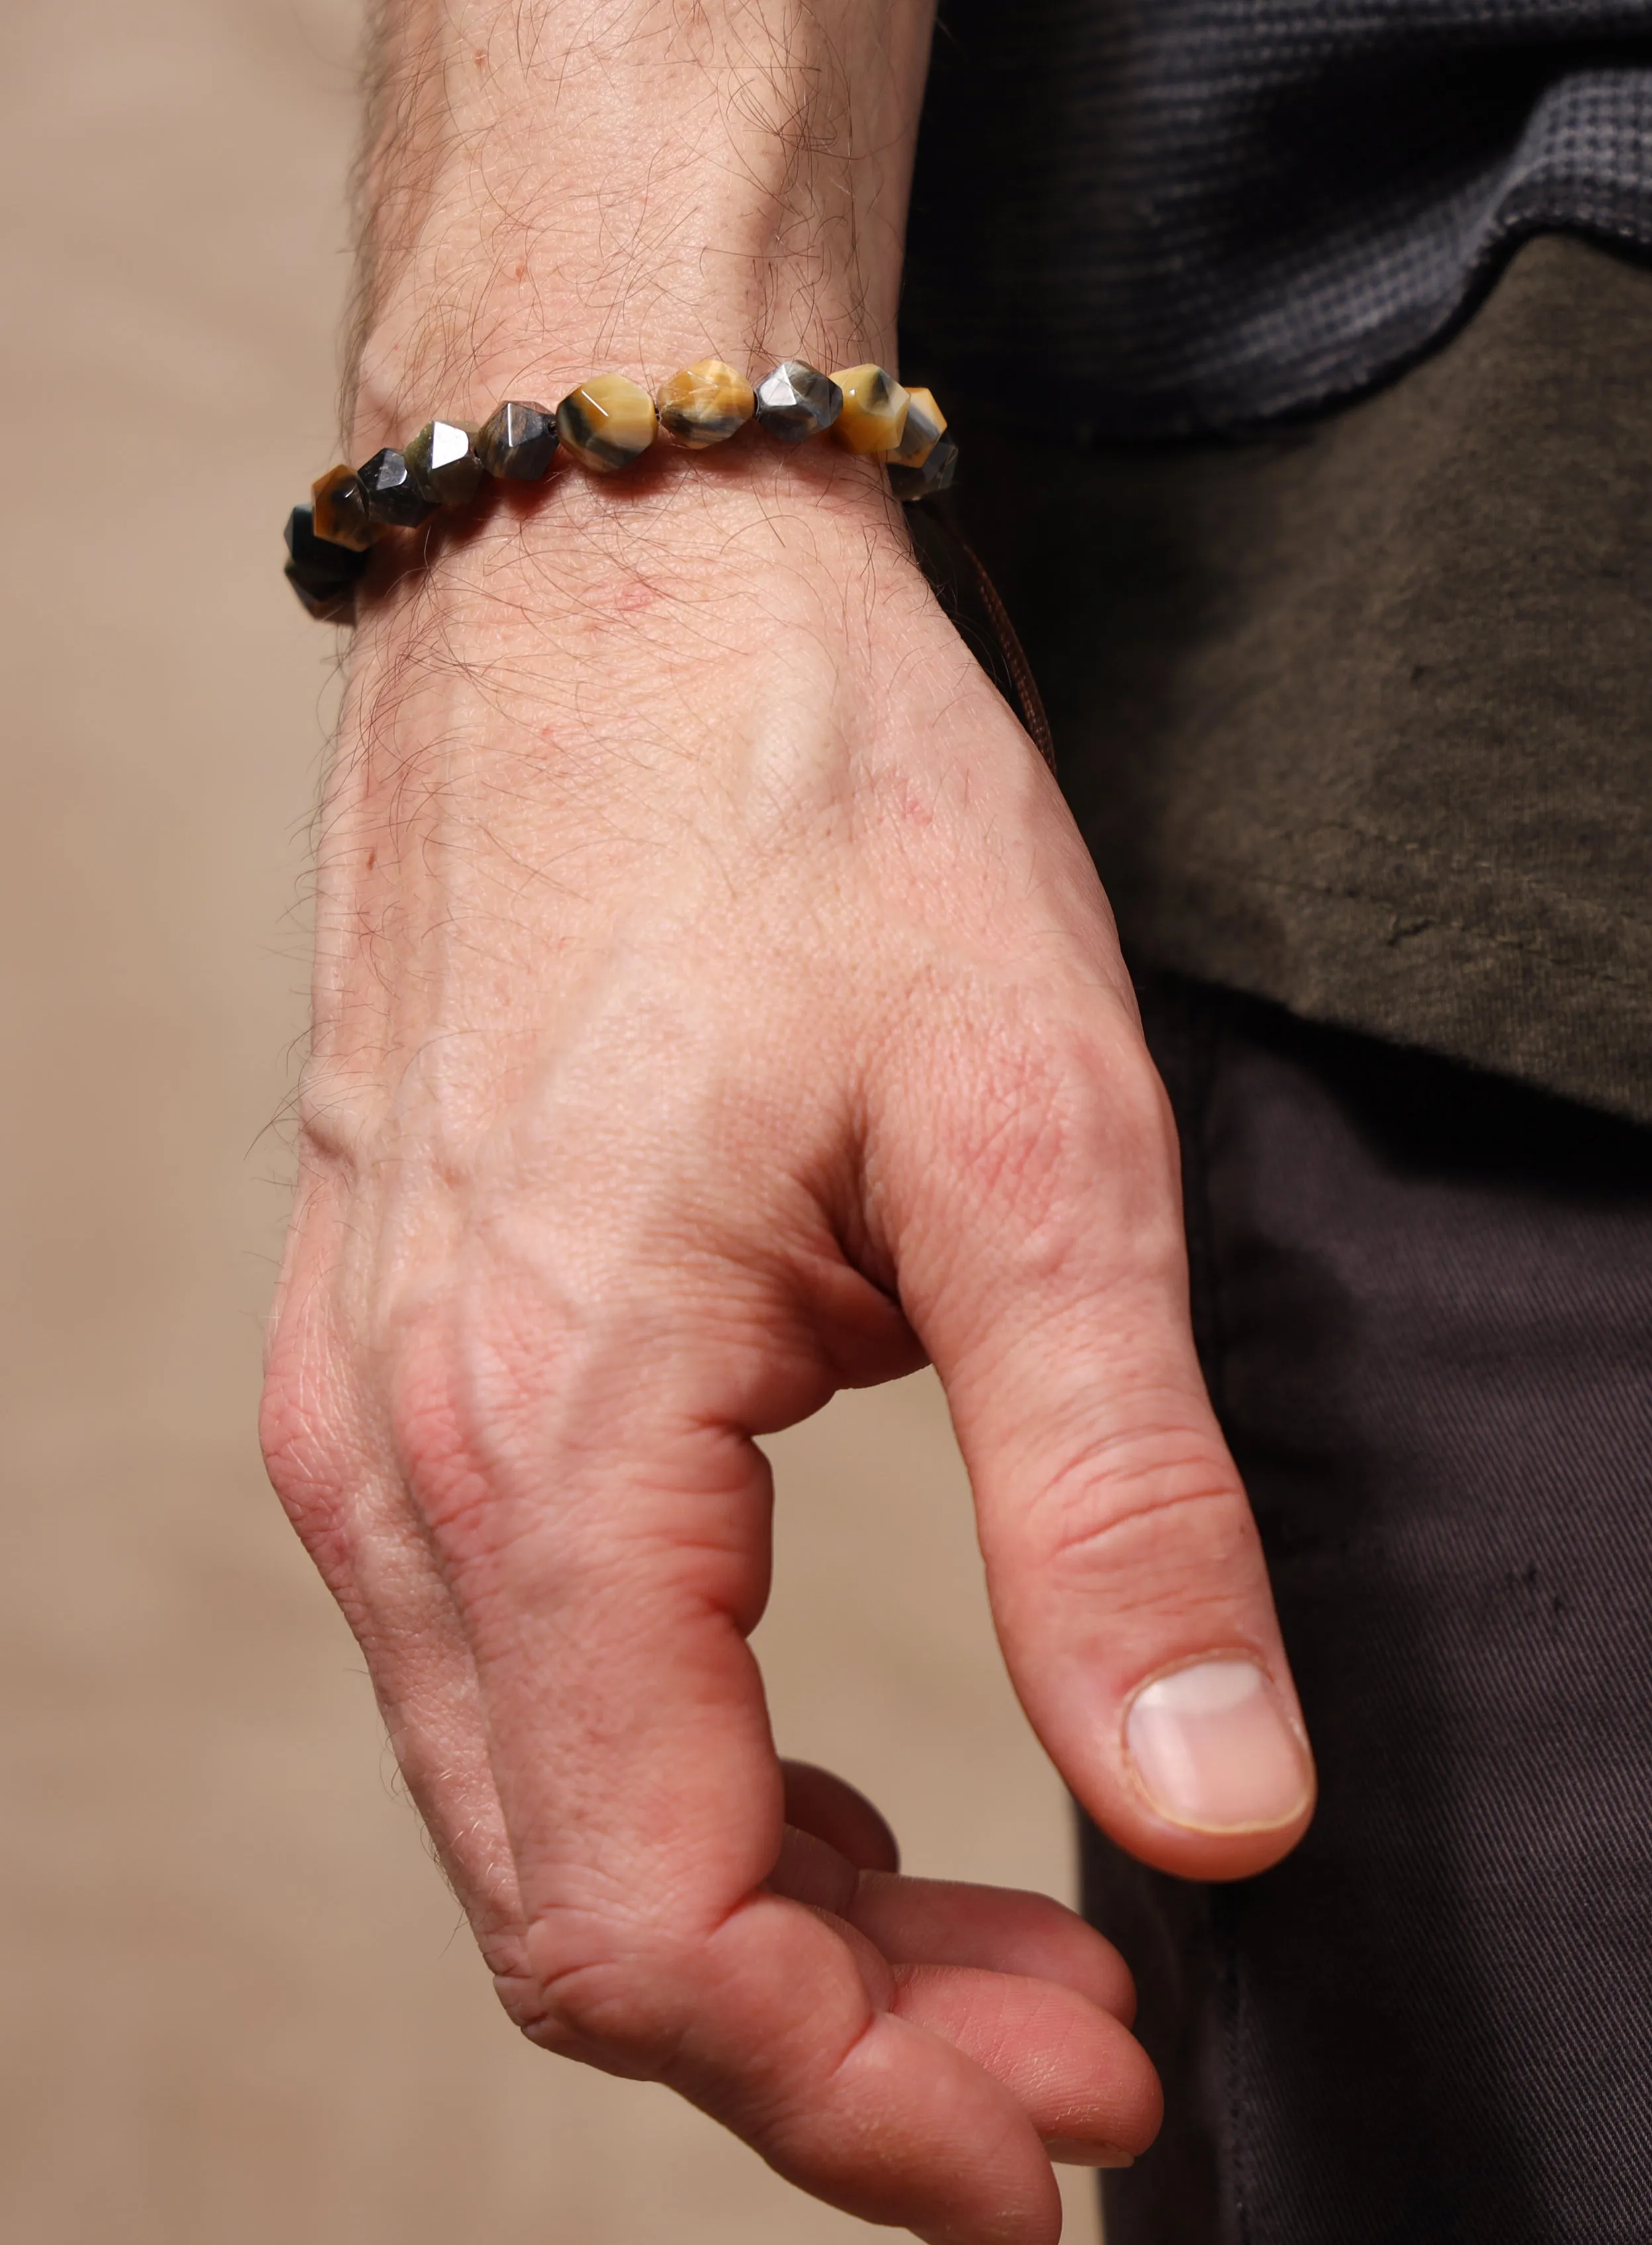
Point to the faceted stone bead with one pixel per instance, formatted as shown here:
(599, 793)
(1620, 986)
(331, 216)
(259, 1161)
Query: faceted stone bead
(925, 423)
(340, 510)
(797, 401)
(322, 573)
(935, 475)
(392, 495)
(328, 604)
(874, 412)
(607, 422)
(319, 556)
(442, 458)
(518, 442)
(705, 403)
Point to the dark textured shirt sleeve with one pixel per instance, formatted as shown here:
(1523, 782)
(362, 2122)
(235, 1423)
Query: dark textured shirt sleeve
(1175, 215)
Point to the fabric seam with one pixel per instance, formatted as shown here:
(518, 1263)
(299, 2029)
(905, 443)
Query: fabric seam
(1437, 862)
(1489, 940)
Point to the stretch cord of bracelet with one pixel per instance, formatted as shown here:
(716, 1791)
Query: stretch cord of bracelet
(605, 423)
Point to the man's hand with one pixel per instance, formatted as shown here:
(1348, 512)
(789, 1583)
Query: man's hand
(715, 1006)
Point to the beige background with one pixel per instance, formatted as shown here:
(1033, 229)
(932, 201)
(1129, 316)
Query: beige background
(238, 2008)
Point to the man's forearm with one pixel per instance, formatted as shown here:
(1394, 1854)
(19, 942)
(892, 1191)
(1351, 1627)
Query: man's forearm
(552, 185)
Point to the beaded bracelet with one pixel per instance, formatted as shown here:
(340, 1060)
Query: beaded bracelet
(606, 423)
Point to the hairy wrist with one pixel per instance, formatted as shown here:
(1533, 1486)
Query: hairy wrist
(591, 649)
(550, 186)
(599, 720)
(763, 535)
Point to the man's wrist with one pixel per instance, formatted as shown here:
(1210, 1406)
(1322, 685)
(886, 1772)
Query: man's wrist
(763, 538)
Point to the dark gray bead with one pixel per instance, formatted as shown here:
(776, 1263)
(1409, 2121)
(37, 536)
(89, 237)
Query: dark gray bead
(797, 401)
(323, 574)
(518, 442)
(319, 556)
(935, 475)
(328, 604)
(444, 463)
(392, 495)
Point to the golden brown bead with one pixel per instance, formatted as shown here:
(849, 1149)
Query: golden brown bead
(925, 425)
(705, 403)
(874, 412)
(340, 510)
(607, 422)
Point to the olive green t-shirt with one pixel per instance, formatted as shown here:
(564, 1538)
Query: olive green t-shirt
(1357, 715)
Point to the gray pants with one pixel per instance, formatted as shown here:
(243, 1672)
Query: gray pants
(1424, 1298)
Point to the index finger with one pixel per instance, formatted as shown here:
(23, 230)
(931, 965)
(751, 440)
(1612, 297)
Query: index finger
(608, 1552)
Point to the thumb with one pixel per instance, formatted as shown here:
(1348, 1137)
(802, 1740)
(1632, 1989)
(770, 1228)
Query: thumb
(1125, 1570)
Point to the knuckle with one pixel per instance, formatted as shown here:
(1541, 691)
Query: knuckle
(313, 1419)
(292, 1458)
(332, 1126)
(1052, 1105)
(477, 1395)
(303, 1443)
(615, 2010)
(425, 1427)
(441, 1456)
(1163, 1484)
(1027, 1089)
(308, 1469)
(340, 1112)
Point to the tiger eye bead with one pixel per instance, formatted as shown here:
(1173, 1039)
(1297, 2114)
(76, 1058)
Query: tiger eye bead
(940, 465)
(444, 463)
(392, 495)
(797, 401)
(340, 507)
(874, 412)
(518, 442)
(925, 425)
(705, 403)
(606, 423)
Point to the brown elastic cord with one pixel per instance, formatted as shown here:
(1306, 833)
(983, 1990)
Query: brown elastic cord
(1026, 686)
(961, 584)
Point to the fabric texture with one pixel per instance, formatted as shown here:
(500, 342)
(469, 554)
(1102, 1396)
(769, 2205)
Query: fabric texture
(1424, 1302)
(1357, 716)
(1195, 214)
